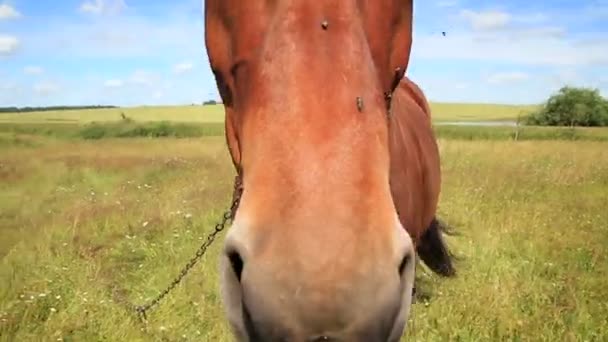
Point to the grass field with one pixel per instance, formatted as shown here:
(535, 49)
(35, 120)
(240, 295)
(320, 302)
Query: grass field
(126, 129)
(215, 113)
(210, 113)
(85, 221)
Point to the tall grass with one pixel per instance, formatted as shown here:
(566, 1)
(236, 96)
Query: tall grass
(85, 222)
(478, 111)
(119, 129)
(197, 113)
(215, 113)
(133, 129)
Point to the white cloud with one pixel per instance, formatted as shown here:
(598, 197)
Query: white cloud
(8, 12)
(447, 3)
(33, 70)
(9, 87)
(533, 18)
(143, 78)
(8, 44)
(138, 79)
(527, 46)
(182, 68)
(113, 83)
(103, 6)
(486, 20)
(507, 77)
(461, 85)
(46, 88)
(119, 37)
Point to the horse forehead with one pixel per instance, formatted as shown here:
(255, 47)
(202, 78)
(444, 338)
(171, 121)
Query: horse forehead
(246, 17)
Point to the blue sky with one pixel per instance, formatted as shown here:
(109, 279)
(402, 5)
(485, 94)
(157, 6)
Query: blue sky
(134, 52)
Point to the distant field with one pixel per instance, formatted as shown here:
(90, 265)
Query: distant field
(155, 129)
(84, 221)
(477, 112)
(215, 113)
(211, 113)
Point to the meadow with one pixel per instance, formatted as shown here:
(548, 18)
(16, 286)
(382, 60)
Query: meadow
(215, 113)
(87, 222)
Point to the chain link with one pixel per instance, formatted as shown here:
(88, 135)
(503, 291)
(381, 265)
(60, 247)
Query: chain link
(228, 215)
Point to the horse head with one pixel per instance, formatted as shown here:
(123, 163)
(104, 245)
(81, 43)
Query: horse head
(316, 250)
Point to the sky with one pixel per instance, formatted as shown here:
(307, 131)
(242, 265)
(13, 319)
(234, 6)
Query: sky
(152, 52)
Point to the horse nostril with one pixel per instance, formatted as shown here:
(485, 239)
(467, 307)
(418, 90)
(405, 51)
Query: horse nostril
(404, 262)
(237, 264)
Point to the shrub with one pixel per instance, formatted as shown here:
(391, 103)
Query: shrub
(572, 107)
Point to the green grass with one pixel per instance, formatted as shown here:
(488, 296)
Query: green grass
(521, 133)
(478, 111)
(115, 129)
(85, 221)
(215, 113)
(210, 113)
(124, 129)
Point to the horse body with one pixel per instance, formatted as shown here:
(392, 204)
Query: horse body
(317, 250)
(416, 174)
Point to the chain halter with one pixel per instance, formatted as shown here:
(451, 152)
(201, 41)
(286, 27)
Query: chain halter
(141, 310)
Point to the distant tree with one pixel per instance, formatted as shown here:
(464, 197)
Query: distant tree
(209, 102)
(572, 107)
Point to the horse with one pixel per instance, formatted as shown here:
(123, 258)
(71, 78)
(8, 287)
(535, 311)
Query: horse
(338, 166)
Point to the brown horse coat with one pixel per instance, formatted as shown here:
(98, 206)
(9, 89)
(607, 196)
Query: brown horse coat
(317, 250)
(415, 173)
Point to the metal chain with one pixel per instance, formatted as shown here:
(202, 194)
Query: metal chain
(228, 215)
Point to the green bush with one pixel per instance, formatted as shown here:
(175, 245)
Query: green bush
(572, 107)
(126, 129)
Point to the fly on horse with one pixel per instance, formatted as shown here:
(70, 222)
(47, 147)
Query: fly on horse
(339, 167)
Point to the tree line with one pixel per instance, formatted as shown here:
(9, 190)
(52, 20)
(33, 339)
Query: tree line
(48, 108)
